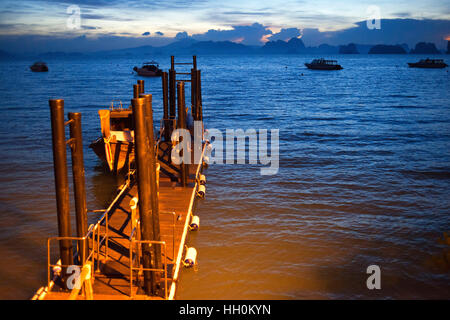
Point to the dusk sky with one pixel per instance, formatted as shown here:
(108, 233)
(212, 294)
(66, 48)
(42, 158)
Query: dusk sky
(159, 22)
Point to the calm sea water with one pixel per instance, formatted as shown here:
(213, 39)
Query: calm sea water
(364, 175)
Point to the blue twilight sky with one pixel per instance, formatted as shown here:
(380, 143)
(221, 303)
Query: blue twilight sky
(247, 21)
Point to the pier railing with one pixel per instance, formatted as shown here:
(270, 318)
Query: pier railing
(135, 248)
(141, 269)
(98, 239)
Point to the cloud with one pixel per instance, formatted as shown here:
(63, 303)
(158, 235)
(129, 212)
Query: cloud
(182, 35)
(402, 14)
(247, 34)
(393, 31)
(89, 27)
(285, 34)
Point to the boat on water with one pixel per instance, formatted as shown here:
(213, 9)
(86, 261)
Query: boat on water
(115, 146)
(149, 69)
(428, 63)
(322, 64)
(39, 67)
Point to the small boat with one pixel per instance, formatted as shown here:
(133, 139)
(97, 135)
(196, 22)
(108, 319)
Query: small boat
(428, 63)
(115, 146)
(149, 69)
(39, 67)
(322, 64)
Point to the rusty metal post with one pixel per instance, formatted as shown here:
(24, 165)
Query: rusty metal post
(165, 92)
(172, 100)
(194, 62)
(199, 96)
(152, 170)
(194, 94)
(181, 124)
(136, 91)
(172, 93)
(141, 86)
(61, 181)
(79, 183)
(172, 62)
(141, 152)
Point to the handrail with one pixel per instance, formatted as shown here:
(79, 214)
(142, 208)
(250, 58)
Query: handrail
(85, 278)
(93, 232)
(139, 268)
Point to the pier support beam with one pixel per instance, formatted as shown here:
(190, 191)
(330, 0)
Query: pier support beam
(61, 181)
(172, 94)
(194, 94)
(152, 172)
(143, 176)
(181, 124)
(141, 86)
(199, 107)
(165, 92)
(79, 182)
(136, 91)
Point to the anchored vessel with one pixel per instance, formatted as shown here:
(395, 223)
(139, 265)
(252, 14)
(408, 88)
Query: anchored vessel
(429, 64)
(322, 64)
(39, 67)
(137, 247)
(115, 146)
(149, 69)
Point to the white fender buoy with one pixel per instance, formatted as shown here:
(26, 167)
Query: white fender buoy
(202, 179)
(133, 203)
(205, 161)
(57, 270)
(190, 258)
(195, 223)
(133, 207)
(201, 191)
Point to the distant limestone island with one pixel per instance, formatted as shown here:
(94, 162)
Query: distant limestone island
(195, 47)
(348, 49)
(387, 49)
(420, 48)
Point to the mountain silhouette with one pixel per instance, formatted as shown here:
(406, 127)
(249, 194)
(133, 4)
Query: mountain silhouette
(387, 49)
(425, 48)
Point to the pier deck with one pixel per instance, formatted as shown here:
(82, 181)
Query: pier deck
(112, 271)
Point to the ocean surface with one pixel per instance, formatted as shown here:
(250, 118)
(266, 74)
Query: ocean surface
(364, 175)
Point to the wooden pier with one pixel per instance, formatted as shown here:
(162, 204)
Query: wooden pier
(137, 248)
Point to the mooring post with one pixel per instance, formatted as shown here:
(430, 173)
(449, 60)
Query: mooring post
(194, 94)
(153, 185)
(165, 91)
(79, 183)
(199, 96)
(141, 86)
(136, 91)
(141, 152)
(172, 93)
(181, 124)
(194, 62)
(61, 182)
